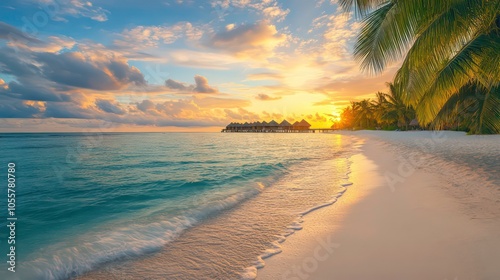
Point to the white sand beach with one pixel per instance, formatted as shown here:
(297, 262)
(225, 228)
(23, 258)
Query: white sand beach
(423, 205)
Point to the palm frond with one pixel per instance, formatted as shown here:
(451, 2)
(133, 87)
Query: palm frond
(487, 72)
(360, 7)
(452, 76)
(385, 36)
(473, 106)
(489, 119)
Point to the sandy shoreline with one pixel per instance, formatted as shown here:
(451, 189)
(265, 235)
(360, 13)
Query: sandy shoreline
(411, 213)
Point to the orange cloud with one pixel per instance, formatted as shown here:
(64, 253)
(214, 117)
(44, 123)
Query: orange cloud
(250, 40)
(265, 97)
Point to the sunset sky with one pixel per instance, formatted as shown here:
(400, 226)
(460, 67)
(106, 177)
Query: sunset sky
(175, 65)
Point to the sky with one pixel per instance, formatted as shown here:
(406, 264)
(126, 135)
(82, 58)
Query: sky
(176, 65)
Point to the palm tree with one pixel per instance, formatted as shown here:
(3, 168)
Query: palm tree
(396, 110)
(386, 109)
(379, 106)
(347, 117)
(363, 113)
(448, 47)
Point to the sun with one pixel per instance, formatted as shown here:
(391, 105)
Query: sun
(335, 116)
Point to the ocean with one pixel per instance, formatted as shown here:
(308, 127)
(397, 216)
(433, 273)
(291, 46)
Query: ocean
(163, 205)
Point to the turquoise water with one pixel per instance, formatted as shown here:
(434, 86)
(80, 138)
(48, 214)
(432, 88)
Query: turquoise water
(91, 204)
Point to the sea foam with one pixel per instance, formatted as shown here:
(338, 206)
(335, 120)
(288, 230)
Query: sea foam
(250, 273)
(125, 242)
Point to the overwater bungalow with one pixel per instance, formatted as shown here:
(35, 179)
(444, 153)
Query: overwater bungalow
(285, 125)
(272, 126)
(302, 125)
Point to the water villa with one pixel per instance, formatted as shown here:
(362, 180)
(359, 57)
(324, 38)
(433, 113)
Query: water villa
(273, 126)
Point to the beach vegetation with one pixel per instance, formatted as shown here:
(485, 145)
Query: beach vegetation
(386, 111)
(449, 52)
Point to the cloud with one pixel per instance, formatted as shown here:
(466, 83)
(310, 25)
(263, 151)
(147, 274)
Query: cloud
(241, 115)
(275, 12)
(272, 116)
(145, 105)
(201, 59)
(17, 63)
(18, 39)
(11, 33)
(201, 85)
(249, 40)
(265, 97)
(316, 118)
(177, 85)
(76, 85)
(151, 36)
(52, 44)
(85, 8)
(3, 85)
(109, 106)
(88, 70)
(334, 37)
(33, 90)
(269, 9)
(57, 9)
(69, 110)
(188, 112)
(84, 69)
(19, 109)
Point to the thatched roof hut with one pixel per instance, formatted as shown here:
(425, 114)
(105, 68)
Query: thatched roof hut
(303, 124)
(285, 123)
(273, 123)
